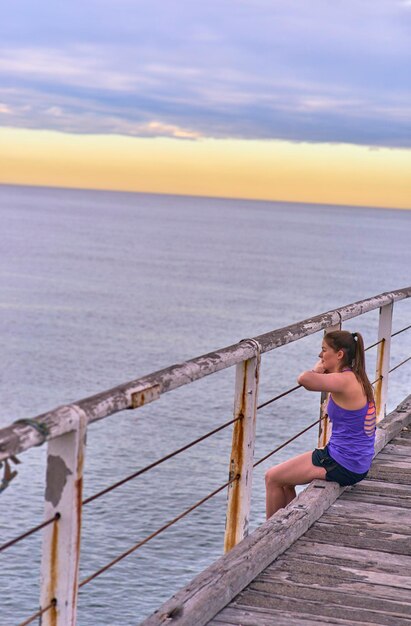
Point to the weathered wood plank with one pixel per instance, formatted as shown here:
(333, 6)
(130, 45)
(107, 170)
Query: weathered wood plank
(392, 475)
(347, 535)
(402, 441)
(345, 507)
(381, 492)
(375, 486)
(386, 469)
(403, 438)
(394, 450)
(387, 474)
(253, 598)
(401, 501)
(237, 615)
(349, 557)
(331, 575)
(387, 518)
(393, 462)
(405, 433)
(289, 584)
(334, 584)
(362, 525)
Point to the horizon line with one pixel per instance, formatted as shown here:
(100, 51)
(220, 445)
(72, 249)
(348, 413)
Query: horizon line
(211, 197)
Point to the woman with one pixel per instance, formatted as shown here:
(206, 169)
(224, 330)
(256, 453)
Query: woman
(347, 457)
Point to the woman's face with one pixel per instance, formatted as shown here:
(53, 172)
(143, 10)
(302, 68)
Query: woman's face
(330, 358)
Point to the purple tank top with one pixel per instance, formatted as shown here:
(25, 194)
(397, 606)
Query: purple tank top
(352, 438)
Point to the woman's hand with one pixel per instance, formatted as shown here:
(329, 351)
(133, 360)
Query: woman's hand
(319, 368)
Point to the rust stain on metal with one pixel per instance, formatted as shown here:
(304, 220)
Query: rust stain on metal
(237, 462)
(78, 487)
(79, 491)
(79, 495)
(378, 385)
(325, 429)
(53, 572)
(140, 398)
(323, 425)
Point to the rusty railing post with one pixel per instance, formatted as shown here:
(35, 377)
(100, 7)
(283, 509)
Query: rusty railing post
(242, 452)
(61, 540)
(383, 360)
(324, 427)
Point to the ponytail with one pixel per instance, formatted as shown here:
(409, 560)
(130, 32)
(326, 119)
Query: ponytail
(352, 344)
(359, 366)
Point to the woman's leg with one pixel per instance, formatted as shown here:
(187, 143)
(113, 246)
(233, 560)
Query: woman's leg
(290, 494)
(278, 497)
(281, 480)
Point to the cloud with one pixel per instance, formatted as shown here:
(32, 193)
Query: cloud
(327, 71)
(55, 112)
(79, 66)
(167, 130)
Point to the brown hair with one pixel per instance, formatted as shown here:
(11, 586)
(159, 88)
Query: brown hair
(352, 344)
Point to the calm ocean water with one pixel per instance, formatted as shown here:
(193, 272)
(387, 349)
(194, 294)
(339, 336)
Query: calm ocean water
(98, 288)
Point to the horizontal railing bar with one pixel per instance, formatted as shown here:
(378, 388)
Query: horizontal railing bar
(157, 532)
(19, 437)
(399, 364)
(164, 458)
(12, 542)
(288, 441)
(39, 613)
(381, 340)
(285, 393)
(373, 345)
(401, 331)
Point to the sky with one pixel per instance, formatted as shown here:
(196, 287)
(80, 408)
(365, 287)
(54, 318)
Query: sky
(271, 99)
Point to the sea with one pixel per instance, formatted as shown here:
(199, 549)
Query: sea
(99, 288)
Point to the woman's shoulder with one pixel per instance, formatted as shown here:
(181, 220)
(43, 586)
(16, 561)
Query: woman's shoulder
(351, 378)
(352, 395)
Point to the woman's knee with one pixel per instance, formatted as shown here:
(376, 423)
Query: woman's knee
(272, 477)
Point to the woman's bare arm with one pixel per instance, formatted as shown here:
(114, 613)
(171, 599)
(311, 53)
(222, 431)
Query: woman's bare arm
(316, 381)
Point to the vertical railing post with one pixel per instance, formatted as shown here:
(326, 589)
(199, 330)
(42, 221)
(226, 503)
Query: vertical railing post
(61, 540)
(242, 452)
(324, 428)
(383, 360)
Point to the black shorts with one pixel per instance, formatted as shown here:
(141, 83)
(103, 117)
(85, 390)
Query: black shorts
(335, 471)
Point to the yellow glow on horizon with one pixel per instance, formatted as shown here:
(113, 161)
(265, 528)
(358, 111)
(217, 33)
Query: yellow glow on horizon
(255, 169)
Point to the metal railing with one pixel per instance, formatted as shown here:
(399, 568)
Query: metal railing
(65, 427)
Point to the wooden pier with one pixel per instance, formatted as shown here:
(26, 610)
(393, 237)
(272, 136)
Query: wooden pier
(333, 556)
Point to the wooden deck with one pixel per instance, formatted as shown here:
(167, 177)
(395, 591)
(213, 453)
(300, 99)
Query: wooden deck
(333, 556)
(353, 566)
